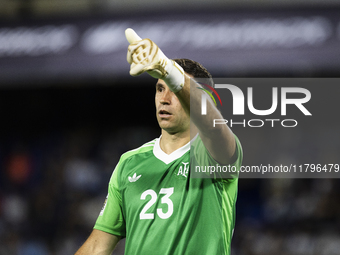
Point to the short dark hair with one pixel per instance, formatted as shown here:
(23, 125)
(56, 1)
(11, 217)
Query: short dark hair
(194, 68)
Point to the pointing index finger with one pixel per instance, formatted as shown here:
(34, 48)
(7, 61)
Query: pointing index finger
(132, 36)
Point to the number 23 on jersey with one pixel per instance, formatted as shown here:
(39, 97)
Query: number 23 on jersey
(166, 192)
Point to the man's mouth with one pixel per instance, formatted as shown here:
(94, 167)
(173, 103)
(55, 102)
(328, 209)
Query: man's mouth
(164, 114)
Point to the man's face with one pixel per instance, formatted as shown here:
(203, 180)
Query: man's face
(169, 112)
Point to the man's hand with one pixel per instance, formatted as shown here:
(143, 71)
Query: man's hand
(145, 56)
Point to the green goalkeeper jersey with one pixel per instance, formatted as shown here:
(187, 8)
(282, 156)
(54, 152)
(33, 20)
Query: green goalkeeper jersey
(153, 202)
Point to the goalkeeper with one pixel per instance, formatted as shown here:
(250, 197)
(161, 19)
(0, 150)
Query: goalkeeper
(152, 200)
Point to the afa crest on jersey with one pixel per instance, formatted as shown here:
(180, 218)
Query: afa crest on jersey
(183, 170)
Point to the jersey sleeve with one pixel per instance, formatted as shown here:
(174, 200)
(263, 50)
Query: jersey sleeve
(111, 218)
(204, 160)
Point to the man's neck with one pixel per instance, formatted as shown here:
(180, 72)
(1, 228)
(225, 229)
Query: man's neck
(171, 142)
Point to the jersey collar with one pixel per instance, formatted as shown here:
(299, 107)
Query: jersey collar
(161, 155)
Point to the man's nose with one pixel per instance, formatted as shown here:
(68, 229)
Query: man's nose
(166, 97)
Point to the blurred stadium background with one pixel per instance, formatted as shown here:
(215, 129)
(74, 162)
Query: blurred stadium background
(69, 109)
